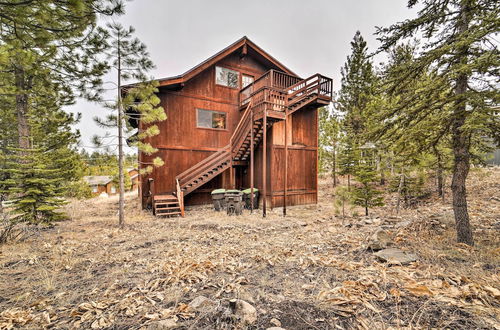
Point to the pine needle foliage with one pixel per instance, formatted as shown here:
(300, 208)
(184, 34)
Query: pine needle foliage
(35, 188)
(365, 194)
(460, 53)
(129, 58)
(49, 55)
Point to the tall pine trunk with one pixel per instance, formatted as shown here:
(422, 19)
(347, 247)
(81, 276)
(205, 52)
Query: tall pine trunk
(439, 171)
(23, 127)
(400, 189)
(334, 165)
(460, 141)
(121, 207)
(381, 169)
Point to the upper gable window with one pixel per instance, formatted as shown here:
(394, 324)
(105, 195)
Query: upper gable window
(226, 77)
(246, 80)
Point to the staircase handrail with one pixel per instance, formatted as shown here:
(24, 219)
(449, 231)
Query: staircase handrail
(311, 81)
(244, 119)
(222, 155)
(180, 196)
(201, 163)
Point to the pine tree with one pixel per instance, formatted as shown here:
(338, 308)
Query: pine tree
(48, 56)
(357, 89)
(358, 83)
(329, 135)
(365, 194)
(36, 188)
(460, 51)
(130, 59)
(349, 157)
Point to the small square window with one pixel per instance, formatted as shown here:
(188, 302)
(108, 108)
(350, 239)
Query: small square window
(246, 80)
(211, 119)
(226, 77)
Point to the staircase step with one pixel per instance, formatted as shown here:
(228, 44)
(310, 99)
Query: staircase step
(168, 213)
(167, 208)
(163, 203)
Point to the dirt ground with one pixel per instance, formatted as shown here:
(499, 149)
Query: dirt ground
(309, 270)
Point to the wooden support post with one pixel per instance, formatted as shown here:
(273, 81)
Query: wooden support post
(285, 172)
(251, 163)
(151, 194)
(182, 203)
(264, 163)
(232, 183)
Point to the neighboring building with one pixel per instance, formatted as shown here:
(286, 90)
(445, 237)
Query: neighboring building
(226, 125)
(101, 184)
(134, 178)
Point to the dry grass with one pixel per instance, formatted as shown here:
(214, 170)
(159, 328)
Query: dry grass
(307, 270)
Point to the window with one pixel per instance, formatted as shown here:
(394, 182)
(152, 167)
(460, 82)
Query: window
(113, 190)
(94, 189)
(246, 80)
(211, 119)
(226, 77)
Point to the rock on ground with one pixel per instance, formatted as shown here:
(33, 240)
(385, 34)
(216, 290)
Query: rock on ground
(275, 322)
(396, 256)
(246, 313)
(202, 304)
(379, 240)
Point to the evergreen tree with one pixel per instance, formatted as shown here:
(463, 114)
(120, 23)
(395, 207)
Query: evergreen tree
(130, 59)
(35, 187)
(365, 194)
(358, 86)
(48, 55)
(329, 135)
(349, 157)
(463, 60)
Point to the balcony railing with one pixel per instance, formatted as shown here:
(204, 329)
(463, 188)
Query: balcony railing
(272, 78)
(277, 91)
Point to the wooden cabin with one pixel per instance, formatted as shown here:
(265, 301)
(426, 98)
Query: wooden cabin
(100, 184)
(133, 173)
(239, 119)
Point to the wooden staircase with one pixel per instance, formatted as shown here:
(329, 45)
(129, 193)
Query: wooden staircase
(166, 205)
(274, 96)
(204, 171)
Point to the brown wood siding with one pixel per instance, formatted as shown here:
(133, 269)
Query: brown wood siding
(302, 159)
(181, 144)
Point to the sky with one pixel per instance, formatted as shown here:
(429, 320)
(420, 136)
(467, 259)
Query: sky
(309, 36)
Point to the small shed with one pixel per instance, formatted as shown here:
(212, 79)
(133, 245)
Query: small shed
(134, 178)
(101, 184)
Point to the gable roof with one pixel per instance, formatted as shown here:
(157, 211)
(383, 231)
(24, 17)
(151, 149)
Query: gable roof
(99, 180)
(243, 43)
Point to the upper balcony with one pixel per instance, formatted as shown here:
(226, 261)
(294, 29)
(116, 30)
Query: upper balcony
(277, 93)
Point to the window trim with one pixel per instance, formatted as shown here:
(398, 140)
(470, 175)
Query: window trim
(211, 128)
(227, 68)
